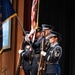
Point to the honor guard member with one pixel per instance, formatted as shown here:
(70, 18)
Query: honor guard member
(25, 54)
(36, 47)
(47, 28)
(53, 54)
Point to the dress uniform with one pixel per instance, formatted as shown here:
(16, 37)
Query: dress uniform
(25, 54)
(36, 52)
(37, 48)
(47, 29)
(53, 55)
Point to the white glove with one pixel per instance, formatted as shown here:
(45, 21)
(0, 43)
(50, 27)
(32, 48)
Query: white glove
(20, 51)
(43, 53)
(32, 32)
(27, 38)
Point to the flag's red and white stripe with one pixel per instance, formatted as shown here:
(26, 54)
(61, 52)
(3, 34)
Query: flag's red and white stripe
(33, 13)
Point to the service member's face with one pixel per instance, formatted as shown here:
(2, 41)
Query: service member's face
(38, 34)
(53, 39)
(48, 32)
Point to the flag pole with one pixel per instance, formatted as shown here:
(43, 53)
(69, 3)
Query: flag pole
(38, 12)
(21, 25)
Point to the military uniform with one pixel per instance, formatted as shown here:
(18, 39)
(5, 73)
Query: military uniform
(25, 54)
(52, 56)
(47, 28)
(37, 45)
(36, 55)
(26, 59)
(35, 60)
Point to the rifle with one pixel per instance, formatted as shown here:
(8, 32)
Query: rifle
(41, 63)
(19, 59)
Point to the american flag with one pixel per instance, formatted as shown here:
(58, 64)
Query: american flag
(34, 13)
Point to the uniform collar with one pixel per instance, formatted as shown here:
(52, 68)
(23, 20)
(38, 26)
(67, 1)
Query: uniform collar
(53, 45)
(48, 37)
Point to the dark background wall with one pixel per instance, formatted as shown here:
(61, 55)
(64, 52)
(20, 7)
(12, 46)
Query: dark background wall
(61, 14)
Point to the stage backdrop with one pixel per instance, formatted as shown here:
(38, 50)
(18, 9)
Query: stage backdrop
(61, 14)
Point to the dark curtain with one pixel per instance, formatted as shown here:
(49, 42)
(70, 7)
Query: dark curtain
(61, 14)
(27, 15)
